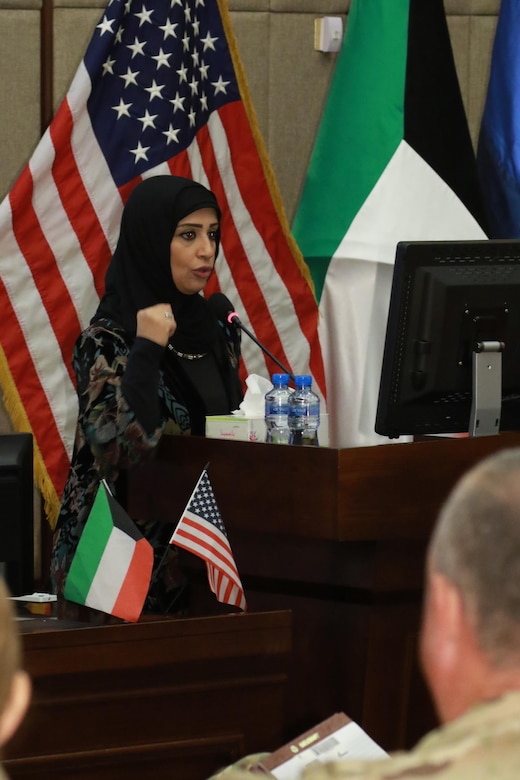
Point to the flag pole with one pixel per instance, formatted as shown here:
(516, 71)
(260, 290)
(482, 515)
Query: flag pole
(161, 562)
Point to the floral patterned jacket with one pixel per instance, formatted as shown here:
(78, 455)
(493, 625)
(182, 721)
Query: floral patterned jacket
(109, 438)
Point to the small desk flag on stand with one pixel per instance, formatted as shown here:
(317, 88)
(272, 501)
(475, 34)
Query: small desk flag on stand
(112, 567)
(201, 531)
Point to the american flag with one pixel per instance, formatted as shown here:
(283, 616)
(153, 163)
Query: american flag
(201, 531)
(160, 90)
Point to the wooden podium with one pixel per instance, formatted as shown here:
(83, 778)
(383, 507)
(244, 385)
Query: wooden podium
(162, 698)
(338, 536)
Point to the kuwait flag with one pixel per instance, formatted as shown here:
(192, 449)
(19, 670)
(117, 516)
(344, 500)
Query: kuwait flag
(112, 567)
(499, 142)
(393, 161)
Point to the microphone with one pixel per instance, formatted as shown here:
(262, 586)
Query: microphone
(225, 312)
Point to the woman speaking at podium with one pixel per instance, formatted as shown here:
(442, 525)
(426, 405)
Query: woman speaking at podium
(154, 359)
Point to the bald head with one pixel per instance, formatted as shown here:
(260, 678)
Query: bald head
(476, 547)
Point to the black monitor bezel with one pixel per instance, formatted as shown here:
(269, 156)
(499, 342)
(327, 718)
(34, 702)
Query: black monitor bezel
(396, 416)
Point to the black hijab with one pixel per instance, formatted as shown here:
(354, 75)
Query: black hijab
(139, 274)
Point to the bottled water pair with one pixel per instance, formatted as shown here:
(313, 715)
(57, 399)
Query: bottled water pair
(292, 417)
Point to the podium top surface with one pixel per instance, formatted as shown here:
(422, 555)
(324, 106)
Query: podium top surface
(362, 493)
(67, 647)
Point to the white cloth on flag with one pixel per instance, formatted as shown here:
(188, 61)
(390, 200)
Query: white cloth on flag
(359, 279)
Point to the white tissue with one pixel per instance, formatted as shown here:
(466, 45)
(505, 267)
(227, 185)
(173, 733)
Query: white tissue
(253, 404)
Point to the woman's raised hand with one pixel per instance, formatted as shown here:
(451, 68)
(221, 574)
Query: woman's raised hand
(156, 323)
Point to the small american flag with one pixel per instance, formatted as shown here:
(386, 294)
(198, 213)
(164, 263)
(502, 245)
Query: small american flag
(201, 532)
(160, 90)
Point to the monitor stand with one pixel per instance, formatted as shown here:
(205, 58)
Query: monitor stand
(487, 389)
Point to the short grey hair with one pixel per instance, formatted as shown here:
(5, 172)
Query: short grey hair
(476, 546)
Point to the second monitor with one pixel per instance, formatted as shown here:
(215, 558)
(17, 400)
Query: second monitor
(451, 360)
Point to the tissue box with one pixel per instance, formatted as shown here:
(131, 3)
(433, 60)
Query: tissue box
(231, 426)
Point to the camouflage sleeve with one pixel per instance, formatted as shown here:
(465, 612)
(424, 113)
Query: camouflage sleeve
(244, 769)
(350, 770)
(483, 744)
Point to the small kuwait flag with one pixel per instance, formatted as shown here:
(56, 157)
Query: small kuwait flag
(112, 567)
(393, 161)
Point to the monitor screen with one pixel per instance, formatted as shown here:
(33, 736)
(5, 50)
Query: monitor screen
(17, 502)
(447, 298)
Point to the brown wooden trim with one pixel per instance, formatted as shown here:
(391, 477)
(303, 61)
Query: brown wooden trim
(46, 63)
(165, 697)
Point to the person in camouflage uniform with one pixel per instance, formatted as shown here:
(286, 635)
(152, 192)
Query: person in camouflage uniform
(470, 640)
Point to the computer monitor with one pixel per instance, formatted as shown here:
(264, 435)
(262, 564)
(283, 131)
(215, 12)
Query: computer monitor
(451, 361)
(17, 512)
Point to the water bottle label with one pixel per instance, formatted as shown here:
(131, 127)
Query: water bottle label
(276, 408)
(305, 411)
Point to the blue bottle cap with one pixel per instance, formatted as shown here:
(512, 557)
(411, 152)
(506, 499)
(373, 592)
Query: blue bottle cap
(280, 378)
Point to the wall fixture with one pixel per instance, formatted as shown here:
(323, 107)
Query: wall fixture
(328, 33)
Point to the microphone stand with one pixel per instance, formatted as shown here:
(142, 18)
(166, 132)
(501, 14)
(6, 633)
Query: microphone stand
(234, 319)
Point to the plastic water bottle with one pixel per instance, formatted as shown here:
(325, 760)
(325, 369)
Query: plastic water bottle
(304, 413)
(277, 410)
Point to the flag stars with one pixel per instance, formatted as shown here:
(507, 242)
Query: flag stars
(140, 152)
(220, 86)
(182, 74)
(155, 90)
(144, 16)
(169, 29)
(130, 77)
(171, 135)
(209, 42)
(148, 120)
(137, 47)
(178, 103)
(162, 59)
(108, 66)
(105, 25)
(144, 105)
(122, 109)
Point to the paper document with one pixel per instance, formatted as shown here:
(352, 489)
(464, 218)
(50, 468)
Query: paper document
(338, 737)
(36, 598)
